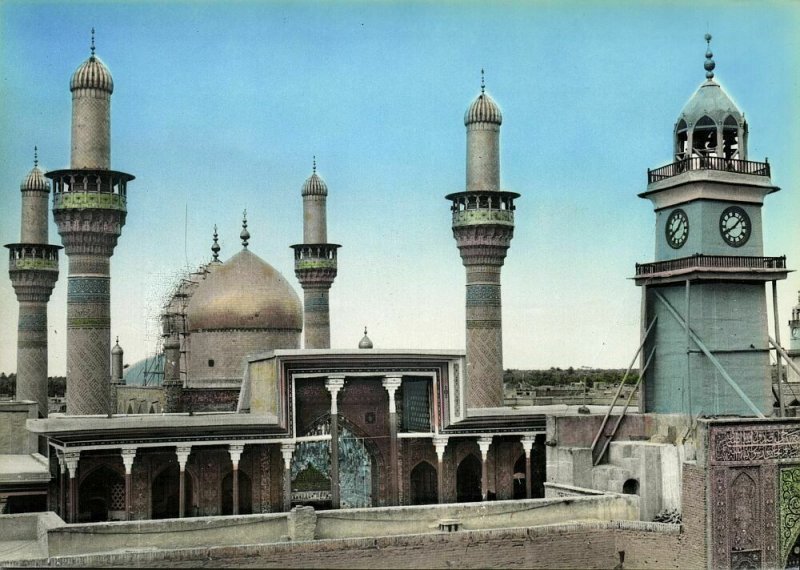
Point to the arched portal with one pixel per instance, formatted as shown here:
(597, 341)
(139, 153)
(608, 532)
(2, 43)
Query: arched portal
(165, 492)
(519, 478)
(424, 484)
(311, 469)
(468, 479)
(101, 496)
(245, 494)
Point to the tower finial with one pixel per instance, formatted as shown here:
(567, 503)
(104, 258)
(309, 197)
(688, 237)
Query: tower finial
(483, 83)
(245, 235)
(314, 164)
(709, 65)
(92, 41)
(35, 156)
(215, 247)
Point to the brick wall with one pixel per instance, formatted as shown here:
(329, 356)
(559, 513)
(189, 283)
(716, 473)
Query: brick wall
(694, 509)
(579, 545)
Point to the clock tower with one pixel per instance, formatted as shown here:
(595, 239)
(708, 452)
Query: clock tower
(706, 288)
(794, 341)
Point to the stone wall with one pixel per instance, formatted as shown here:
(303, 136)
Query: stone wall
(14, 438)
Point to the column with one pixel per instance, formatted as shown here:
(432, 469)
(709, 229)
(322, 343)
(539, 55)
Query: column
(128, 455)
(392, 383)
(527, 446)
(287, 449)
(71, 458)
(334, 384)
(235, 451)
(183, 456)
(440, 443)
(62, 485)
(483, 444)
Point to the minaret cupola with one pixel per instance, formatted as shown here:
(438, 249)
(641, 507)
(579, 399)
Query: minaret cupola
(35, 179)
(710, 123)
(92, 74)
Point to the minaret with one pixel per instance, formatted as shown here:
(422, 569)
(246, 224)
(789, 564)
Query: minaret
(33, 268)
(89, 206)
(704, 295)
(315, 262)
(483, 226)
(794, 341)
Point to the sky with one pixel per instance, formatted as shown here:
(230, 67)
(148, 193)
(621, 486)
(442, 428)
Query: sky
(219, 107)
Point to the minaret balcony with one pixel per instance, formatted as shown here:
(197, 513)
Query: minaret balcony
(90, 189)
(37, 257)
(712, 268)
(716, 163)
(481, 208)
(308, 256)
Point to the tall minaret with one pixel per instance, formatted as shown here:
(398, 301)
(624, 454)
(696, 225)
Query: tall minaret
(33, 268)
(483, 225)
(315, 262)
(89, 206)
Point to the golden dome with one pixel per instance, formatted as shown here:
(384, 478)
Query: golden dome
(245, 292)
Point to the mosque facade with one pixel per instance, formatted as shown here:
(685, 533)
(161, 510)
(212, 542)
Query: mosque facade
(255, 413)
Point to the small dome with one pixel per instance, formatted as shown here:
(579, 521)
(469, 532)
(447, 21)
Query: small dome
(483, 110)
(35, 180)
(92, 74)
(117, 349)
(245, 292)
(712, 101)
(365, 342)
(314, 186)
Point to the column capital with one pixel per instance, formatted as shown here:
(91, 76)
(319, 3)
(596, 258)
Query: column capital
(334, 383)
(71, 458)
(183, 451)
(235, 450)
(287, 450)
(527, 444)
(391, 383)
(62, 464)
(128, 455)
(483, 445)
(440, 443)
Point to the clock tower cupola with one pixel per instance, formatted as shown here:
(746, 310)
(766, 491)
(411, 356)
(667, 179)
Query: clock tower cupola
(706, 288)
(794, 340)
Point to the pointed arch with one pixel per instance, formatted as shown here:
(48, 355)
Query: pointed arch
(468, 479)
(101, 495)
(423, 483)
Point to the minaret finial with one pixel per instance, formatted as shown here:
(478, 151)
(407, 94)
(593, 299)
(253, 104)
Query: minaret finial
(709, 65)
(92, 41)
(215, 247)
(483, 83)
(245, 235)
(35, 156)
(314, 164)
(118, 340)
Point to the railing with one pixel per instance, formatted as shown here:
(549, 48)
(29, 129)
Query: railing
(708, 163)
(711, 262)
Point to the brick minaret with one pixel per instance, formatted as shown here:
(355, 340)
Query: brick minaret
(89, 206)
(315, 263)
(483, 225)
(33, 268)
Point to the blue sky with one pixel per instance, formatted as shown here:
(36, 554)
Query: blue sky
(220, 106)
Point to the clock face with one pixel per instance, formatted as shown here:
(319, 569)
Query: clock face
(734, 225)
(677, 229)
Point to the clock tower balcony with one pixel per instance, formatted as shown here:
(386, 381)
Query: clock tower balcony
(699, 267)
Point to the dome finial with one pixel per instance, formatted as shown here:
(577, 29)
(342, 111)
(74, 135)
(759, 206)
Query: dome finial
(365, 342)
(215, 247)
(314, 164)
(35, 156)
(92, 41)
(483, 83)
(709, 65)
(118, 341)
(245, 235)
